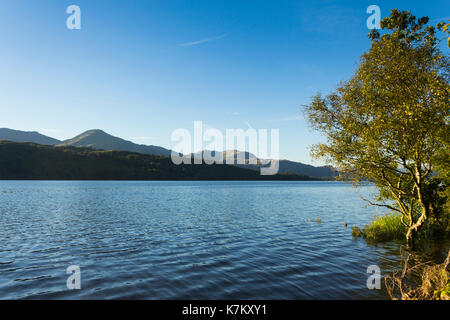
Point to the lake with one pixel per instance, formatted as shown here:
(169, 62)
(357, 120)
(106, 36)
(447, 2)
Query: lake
(187, 240)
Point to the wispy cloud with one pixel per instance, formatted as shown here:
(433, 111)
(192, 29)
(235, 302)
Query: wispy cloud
(201, 41)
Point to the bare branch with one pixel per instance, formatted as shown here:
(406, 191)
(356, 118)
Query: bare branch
(382, 205)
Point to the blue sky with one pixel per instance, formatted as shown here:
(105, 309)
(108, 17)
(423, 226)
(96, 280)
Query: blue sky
(141, 69)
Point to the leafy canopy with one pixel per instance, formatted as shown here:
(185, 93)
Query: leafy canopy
(389, 122)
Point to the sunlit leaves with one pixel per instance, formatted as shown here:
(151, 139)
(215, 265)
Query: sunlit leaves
(389, 122)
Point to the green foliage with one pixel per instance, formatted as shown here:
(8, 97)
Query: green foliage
(446, 28)
(357, 232)
(389, 122)
(443, 293)
(385, 228)
(390, 227)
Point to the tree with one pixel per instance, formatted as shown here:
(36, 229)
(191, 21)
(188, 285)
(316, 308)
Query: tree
(390, 122)
(446, 28)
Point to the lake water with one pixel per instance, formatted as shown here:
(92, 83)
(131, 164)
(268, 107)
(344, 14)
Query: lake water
(186, 240)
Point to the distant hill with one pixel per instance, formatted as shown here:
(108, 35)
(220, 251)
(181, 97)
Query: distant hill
(26, 136)
(285, 166)
(301, 168)
(98, 139)
(26, 161)
(228, 156)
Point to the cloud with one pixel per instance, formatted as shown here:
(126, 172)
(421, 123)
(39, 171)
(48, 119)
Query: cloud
(194, 43)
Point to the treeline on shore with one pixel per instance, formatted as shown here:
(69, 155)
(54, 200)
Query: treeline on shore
(28, 161)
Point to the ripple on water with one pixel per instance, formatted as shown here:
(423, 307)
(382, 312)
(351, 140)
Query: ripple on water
(192, 240)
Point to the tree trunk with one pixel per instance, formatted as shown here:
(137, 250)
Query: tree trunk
(412, 231)
(410, 238)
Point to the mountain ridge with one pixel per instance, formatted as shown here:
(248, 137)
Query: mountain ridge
(254, 163)
(26, 136)
(29, 161)
(98, 139)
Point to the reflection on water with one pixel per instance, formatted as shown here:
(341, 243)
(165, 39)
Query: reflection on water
(191, 240)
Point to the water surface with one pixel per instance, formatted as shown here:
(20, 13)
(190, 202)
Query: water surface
(186, 240)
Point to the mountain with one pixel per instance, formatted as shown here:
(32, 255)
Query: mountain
(285, 166)
(26, 136)
(27, 161)
(100, 140)
(301, 168)
(228, 156)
